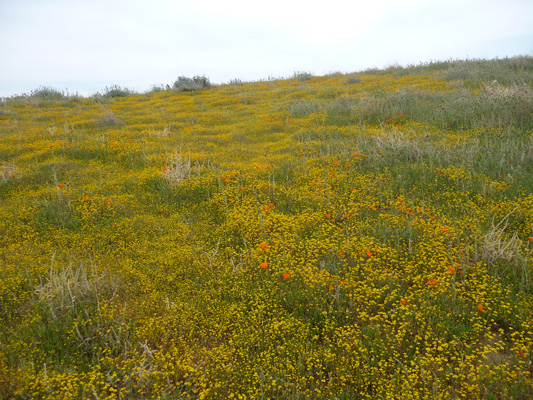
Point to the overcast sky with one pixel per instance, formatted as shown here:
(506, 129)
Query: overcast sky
(84, 46)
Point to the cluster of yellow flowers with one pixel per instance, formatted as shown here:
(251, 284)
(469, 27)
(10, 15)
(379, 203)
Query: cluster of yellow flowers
(267, 240)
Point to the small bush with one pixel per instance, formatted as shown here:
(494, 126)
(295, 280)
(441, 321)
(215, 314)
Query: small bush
(47, 93)
(353, 78)
(158, 88)
(108, 119)
(185, 84)
(303, 76)
(117, 91)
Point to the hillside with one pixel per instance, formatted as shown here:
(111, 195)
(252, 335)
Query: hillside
(364, 235)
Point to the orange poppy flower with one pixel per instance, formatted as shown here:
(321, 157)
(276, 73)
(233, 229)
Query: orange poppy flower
(452, 270)
(286, 276)
(264, 265)
(369, 254)
(263, 245)
(403, 302)
(433, 282)
(346, 215)
(328, 216)
(480, 307)
(86, 198)
(531, 238)
(330, 287)
(61, 185)
(445, 229)
(108, 201)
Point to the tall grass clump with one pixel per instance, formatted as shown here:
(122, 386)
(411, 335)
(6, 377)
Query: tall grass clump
(236, 82)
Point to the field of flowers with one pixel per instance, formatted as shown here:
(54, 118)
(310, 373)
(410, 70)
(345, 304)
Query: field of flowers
(350, 236)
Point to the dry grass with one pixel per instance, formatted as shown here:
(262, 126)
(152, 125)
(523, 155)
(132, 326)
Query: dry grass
(497, 91)
(498, 245)
(178, 168)
(9, 172)
(69, 287)
(160, 133)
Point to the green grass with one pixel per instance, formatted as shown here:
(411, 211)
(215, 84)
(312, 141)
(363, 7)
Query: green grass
(367, 235)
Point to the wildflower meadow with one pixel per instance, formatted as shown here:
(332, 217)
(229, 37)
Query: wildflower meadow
(349, 236)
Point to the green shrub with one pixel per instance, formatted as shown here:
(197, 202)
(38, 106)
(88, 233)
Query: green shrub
(117, 91)
(303, 76)
(47, 93)
(353, 78)
(159, 88)
(185, 84)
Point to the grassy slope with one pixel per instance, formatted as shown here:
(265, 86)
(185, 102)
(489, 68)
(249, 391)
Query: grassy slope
(344, 236)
